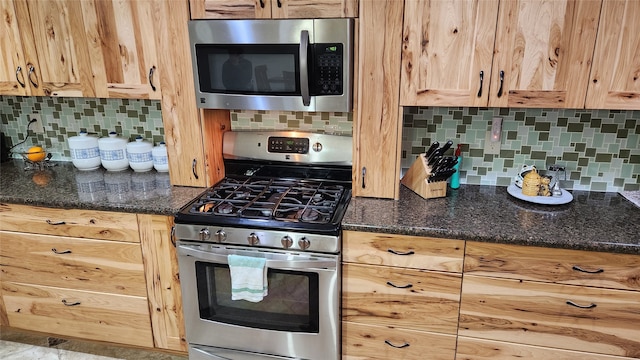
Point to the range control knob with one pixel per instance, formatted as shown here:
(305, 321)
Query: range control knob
(304, 243)
(286, 241)
(317, 147)
(253, 239)
(221, 235)
(205, 234)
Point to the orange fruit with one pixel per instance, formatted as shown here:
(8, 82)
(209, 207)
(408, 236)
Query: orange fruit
(36, 153)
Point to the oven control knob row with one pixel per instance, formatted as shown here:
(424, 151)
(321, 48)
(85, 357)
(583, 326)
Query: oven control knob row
(221, 236)
(205, 234)
(286, 241)
(304, 243)
(253, 239)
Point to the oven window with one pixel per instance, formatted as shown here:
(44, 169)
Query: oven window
(249, 69)
(291, 305)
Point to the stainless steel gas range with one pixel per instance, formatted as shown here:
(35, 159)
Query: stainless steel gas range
(281, 203)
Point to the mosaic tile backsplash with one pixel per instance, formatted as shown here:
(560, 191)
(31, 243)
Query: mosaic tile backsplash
(337, 123)
(600, 149)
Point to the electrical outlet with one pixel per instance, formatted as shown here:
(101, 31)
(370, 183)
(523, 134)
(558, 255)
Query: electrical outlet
(37, 127)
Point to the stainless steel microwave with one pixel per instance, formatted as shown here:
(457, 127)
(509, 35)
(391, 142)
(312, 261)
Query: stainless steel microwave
(289, 64)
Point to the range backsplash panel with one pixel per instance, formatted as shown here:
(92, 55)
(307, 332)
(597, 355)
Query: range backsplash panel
(600, 149)
(338, 123)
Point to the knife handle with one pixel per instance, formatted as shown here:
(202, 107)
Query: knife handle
(446, 147)
(432, 148)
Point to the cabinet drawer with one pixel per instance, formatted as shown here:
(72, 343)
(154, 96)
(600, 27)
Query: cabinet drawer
(74, 223)
(88, 315)
(83, 264)
(378, 342)
(540, 314)
(478, 349)
(421, 300)
(403, 251)
(589, 268)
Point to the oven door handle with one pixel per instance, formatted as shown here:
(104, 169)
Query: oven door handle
(303, 263)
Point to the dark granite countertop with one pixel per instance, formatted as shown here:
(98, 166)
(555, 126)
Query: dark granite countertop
(63, 186)
(592, 221)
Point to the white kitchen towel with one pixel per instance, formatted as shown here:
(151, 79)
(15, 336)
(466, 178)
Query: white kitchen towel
(248, 277)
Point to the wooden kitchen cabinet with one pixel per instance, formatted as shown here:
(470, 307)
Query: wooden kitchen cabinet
(122, 49)
(276, 9)
(46, 40)
(584, 302)
(400, 296)
(615, 74)
(540, 57)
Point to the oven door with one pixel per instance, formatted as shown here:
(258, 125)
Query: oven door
(299, 318)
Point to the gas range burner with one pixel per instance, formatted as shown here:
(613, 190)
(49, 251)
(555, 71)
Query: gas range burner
(306, 201)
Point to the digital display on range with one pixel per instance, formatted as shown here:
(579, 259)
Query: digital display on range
(287, 145)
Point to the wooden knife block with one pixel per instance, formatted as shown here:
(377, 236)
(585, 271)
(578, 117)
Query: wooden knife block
(416, 179)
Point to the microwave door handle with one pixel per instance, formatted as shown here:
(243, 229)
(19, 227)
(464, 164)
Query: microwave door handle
(274, 264)
(304, 67)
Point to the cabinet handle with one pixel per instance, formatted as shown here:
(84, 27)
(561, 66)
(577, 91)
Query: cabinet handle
(590, 306)
(501, 83)
(410, 252)
(262, 4)
(18, 71)
(408, 286)
(66, 303)
(396, 346)
(279, 3)
(193, 169)
(173, 236)
(31, 70)
(56, 222)
(578, 268)
(364, 172)
(151, 71)
(481, 81)
(55, 251)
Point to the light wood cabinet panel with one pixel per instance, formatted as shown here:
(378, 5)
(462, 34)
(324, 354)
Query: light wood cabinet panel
(91, 224)
(403, 298)
(586, 268)
(13, 69)
(88, 315)
(120, 36)
(479, 349)
(265, 9)
(403, 251)
(377, 121)
(615, 73)
(93, 265)
(163, 282)
(365, 342)
(446, 46)
(54, 42)
(545, 50)
(541, 314)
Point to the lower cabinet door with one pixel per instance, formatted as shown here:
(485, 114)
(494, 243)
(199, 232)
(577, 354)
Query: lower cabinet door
(360, 342)
(478, 349)
(84, 314)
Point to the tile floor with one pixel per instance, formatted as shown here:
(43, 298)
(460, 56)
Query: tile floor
(18, 345)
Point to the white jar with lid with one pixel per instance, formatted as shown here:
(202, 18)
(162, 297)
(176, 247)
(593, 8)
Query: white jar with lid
(113, 152)
(139, 155)
(160, 158)
(85, 154)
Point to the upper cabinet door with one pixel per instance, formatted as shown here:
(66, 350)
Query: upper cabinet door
(55, 48)
(122, 48)
(225, 9)
(276, 9)
(13, 71)
(543, 51)
(313, 9)
(447, 51)
(615, 75)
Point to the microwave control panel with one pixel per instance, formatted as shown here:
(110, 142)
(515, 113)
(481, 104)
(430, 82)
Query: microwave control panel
(288, 145)
(328, 69)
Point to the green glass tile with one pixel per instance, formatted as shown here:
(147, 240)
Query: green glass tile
(461, 129)
(595, 123)
(519, 115)
(624, 153)
(432, 128)
(543, 136)
(538, 155)
(575, 127)
(507, 154)
(609, 128)
(598, 186)
(583, 161)
(569, 156)
(473, 111)
(630, 124)
(634, 159)
(478, 153)
(526, 150)
(598, 140)
(293, 123)
(530, 121)
(504, 111)
(420, 123)
(632, 187)
(590, 152)
(622, 134)
(508, 163)
(603, 157)
(488, 157)
(542, 126)
(585, 118)
(416, 150)
(437, 119)
(585, 180)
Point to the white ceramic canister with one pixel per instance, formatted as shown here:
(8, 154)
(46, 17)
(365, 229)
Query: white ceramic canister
(85, 154)
(160, 159)
(113, 152)
(139, 155)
